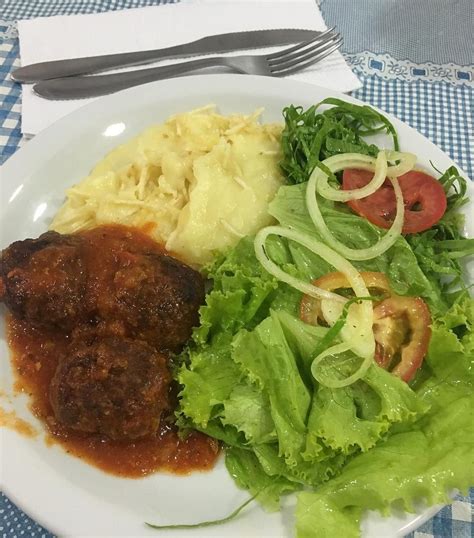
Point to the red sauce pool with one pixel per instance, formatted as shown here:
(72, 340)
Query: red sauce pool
(35, 355)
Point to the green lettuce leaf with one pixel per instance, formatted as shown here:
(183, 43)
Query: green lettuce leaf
(245, 469)
(242, 292)
(246, 380)
(208, 378)
(450, 356)
(241, 296)
(304, 472)
(399, 263)
(238, 298)
(267, 360)
(226, 433)
(354, 417)
(424, 461)
(302, 340)
(312, 509)
(248, 410)
(359, 415)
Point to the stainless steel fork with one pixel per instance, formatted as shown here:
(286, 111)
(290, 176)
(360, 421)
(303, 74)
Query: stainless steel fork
(278, 64)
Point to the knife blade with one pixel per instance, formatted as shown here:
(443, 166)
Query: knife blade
(207, 45)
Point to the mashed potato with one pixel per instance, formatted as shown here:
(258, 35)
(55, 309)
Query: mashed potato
(197, 183)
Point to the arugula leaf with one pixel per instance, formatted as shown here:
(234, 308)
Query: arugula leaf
(310, 136)
(203, 524)
(440, 249)
(455, 187)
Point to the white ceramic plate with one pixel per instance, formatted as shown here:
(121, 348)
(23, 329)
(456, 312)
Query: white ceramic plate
(67, 496)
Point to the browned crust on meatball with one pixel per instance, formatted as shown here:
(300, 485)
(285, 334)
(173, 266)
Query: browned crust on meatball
(114, 386)
(43, 280)
(156, 297)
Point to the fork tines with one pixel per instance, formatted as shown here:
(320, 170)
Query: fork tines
(294, 59)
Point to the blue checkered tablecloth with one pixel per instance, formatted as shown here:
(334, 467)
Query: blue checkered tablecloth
(432, 91)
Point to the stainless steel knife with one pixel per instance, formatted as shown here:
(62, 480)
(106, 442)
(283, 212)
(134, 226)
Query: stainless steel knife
(207, 45)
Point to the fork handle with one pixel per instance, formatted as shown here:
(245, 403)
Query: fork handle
(96, 85)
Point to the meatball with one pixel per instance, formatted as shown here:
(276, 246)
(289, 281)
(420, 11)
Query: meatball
(43, 280)
(60, 281)
(116, 387)
(155, 296)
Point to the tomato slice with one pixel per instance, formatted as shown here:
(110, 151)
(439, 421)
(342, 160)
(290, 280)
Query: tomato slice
(424, 197)
(310, 308)
(402, 330)
(401, 324)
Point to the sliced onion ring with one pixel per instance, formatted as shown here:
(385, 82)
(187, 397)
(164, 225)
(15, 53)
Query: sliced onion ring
(335, 384)
(351, 160)
(406, 163)
(359, 338)
(379, 166)
(362, 340)
(375, 250)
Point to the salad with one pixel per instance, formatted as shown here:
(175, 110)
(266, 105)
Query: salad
(334, 357)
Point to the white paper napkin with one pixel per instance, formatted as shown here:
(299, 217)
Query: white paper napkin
(55, 38)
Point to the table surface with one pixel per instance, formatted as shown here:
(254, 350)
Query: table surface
(419, 69)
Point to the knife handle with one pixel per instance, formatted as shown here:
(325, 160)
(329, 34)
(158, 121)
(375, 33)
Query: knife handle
(92, 64)
(94, 86)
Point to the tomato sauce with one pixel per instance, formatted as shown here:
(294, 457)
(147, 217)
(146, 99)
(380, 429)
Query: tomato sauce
(35, 356)
(9, 419)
